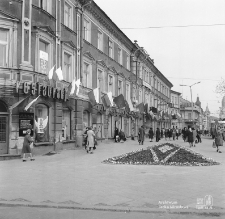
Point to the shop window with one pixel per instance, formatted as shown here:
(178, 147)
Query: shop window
(66, 124)
(86, 118)
(4, 47)
(41, 123)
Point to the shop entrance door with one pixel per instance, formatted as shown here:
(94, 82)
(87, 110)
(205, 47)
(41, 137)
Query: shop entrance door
(3, 134)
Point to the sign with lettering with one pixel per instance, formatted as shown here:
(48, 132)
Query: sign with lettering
(26, 121)
(43, 90)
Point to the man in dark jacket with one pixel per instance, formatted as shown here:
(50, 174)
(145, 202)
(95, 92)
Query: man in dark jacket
(157, 134)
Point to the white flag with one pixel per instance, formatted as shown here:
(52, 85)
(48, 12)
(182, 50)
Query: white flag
(50, 74)
(30, 104)
(59, 73)
(96, 94)
(77, 83)
(130, 104)
(73, 87)
(110, 97)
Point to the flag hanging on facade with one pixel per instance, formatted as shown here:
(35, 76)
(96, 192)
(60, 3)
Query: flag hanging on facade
(17, 104)
(146, 108)
(92, 98)
(96, 94)
(141, 107)
(119, 101)
(31, 103)
(59, 74)
(107, 100)
(50, 74)
(77, 83)
(130, 104)
(127, 108)
(71, 88)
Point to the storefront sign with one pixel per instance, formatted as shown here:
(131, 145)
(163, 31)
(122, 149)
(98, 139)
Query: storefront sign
(43, 90)
(26, 121)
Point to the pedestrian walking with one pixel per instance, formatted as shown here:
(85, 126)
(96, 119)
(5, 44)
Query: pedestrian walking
(177, 132)
(219, 137)
(190, 137)
(141, 135)
(157, 134)
(162, 132)
(184, 133)
(150, 134)
(170, 131)
(116, 135)
(90, 140)
(26, 146)
(174, 133)
(199, 133)
(194, 136)
(166, 134)
(85, 138)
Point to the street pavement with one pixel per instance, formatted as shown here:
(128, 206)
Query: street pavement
(73, 179)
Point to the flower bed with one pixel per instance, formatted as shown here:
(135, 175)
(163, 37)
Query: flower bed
(163, 154)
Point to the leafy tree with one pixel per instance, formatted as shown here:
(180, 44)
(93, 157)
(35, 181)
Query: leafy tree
(220, 88)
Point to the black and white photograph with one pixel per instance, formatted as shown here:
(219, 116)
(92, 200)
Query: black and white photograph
(112, 109)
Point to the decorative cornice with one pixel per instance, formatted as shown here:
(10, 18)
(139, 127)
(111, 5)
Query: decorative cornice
(89, 55)
(8, 16)
(102, 63)
(111, 68)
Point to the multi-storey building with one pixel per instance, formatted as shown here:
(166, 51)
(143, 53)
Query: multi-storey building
(190, 113)
(175, 109)
(37, 36)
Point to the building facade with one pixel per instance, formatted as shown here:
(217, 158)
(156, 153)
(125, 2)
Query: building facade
(37, 36)
(175, 110)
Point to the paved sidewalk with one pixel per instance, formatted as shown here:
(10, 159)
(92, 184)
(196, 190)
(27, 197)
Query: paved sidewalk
(74, 178)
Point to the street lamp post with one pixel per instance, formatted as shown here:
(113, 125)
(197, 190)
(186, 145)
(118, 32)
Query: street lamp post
(146, 56)
(191, 99)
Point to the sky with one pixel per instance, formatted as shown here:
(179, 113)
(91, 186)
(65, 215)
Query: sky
(184, 55)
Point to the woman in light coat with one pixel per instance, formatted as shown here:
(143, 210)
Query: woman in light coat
(190, 137)
(219, 136)
(90, 140)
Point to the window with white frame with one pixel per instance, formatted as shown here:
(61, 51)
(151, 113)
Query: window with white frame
(128, 62)
(44, 55)
(67, 67)
(86, 74)
(78, 31)
(4, 45)
(127, 91)
(100, 83)
(140, 73)
(46, 5)
(110, 49)
(120, 56)
(87, 30)
(100, 40)
(68, 15)
(120, 87)
(110, 84)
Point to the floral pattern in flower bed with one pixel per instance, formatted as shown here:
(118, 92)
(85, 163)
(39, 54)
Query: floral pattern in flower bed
(163, 154)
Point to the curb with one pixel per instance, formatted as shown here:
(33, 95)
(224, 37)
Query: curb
(191, 211)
